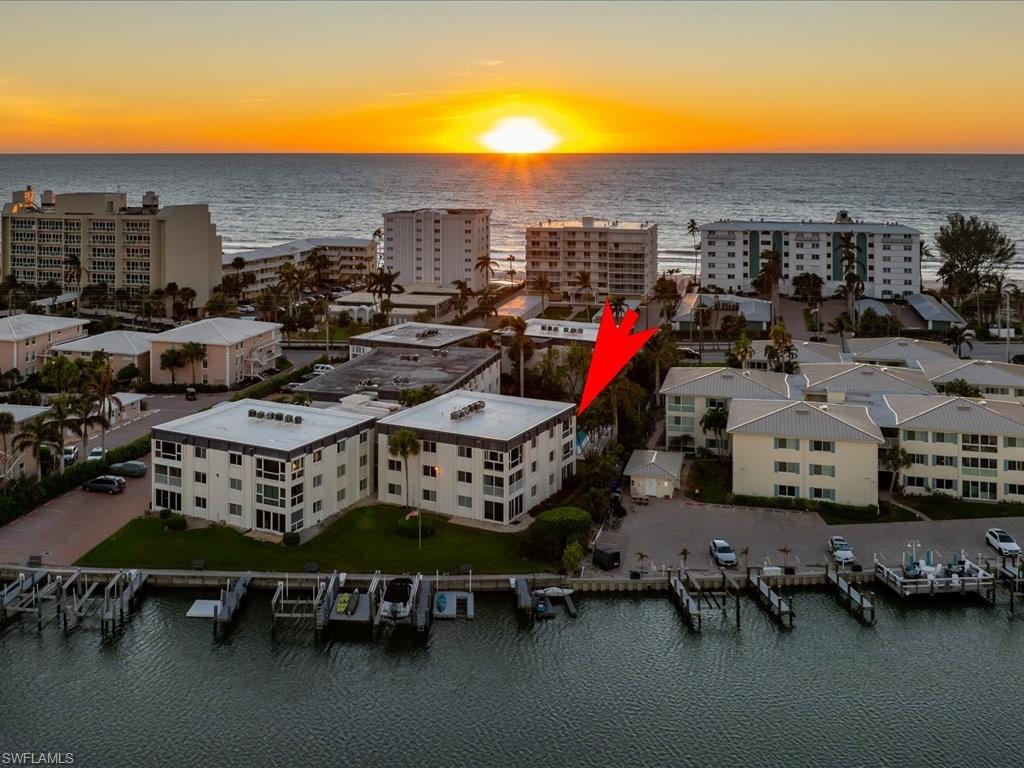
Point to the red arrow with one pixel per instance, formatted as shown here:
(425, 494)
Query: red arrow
(614, 348)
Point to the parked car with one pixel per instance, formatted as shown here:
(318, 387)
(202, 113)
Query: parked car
(105, 484)
(688, 353)
(70, 454)
(321, 368)
(722, 553)
(841, 550)
(247, 308)
(128, 469)
(96, 453)
(1018, 359)
(1002, 542)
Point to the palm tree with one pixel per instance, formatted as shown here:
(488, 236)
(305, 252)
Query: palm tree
(958, 338)
(403, 444)
(487, 300)
(692, 229)
(193, 352)
(10, 378)
(684, 553)
(641, 558)
(840, 325)
(743, 350)
(627, 393)
(6, 429)
(171, 360)
(715, 420)
(60, 418)
(101, 388)
(893, 459)
(781, 352)
(542, 285)
(463, 293)
(767, 281)
(187, 297)
(665, 354)
(35, 434)
(84, 418)
(850, 259)
(511, 270)
(521, 346)
(666, 293)
(618, 307)
(485, 266)
(581, 282)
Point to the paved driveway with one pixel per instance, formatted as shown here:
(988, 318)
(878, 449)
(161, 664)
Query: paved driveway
(663, 528)
(69, 526)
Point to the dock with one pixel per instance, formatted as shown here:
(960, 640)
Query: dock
(299, 604)
(454, 604)
(694, 596)
(120, 597)
(423, 610)
(779, 607)
(364, 609)
(687, 603)
(967, 579)
(1010, 574)
(856, 602)
(29, 594)
(231, 598)
(524, 598)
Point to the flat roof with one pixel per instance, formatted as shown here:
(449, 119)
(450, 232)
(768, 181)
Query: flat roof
(230, 422)
(754, 310)
(362, 298)
(570, 330)
(216, 330)
(893, 227)
(63, 298)
(295, 247)
(521, 305)
(426, 335)
(502, 417)
(23, 412)
(609, 224)
(111, 342)
(388, 372)
(18, 327)
(441, 211)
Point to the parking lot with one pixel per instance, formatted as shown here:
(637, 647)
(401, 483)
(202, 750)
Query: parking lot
(664, 527)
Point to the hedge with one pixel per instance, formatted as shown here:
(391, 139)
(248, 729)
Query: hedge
(868, 512)
(26, 493)
(548, 535)
(274, 383)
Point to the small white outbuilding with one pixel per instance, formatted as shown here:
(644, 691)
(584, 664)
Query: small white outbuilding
(654, 474)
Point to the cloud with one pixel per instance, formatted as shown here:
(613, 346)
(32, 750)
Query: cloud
(492, 63)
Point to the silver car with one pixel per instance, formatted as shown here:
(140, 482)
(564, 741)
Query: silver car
(722, 553)
(841, 550)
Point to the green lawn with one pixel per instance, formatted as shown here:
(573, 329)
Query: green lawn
(712, 479)
(889, 514)
(942, 507)
(556, 313)
(362, 541)
(338, 333)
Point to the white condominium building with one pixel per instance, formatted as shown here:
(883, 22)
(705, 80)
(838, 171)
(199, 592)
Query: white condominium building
(690, 392)
(890, 254)
(267, 466)
(994, 380)
(963, 447)
(89, 238)
(898, 351)
(621, 256)
(435, 247)
(482, 456)
(803, 450)
(350, 258)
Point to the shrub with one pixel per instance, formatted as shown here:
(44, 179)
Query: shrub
(409, 527)
(271, 385)
(847, 511)
(176, 523)
(572, 557)
(553, 529)
(165, 514)
(290, 539)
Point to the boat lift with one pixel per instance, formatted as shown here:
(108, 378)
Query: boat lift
(856, 602)
(693, 597)
(28, 594)
(305, 606)
(779, 607)
(231, 598)
(81, 601)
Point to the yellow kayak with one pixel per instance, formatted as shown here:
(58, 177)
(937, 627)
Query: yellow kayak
(342, 605)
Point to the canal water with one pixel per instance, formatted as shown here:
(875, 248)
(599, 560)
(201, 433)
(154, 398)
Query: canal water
(625, 684)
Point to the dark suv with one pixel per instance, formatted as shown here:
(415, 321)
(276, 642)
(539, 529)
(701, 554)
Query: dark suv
(104, 484)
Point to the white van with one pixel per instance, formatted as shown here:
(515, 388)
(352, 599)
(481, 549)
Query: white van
(321, 368)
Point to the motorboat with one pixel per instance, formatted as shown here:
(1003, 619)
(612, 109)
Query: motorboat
(555, 591)
(353, 603)
(442, 602)
(542, 608)
(398, 598)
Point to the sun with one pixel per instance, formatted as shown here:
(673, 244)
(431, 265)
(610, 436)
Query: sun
(520, 136)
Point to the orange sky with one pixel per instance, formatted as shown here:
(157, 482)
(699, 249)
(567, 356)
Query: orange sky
(434, 77)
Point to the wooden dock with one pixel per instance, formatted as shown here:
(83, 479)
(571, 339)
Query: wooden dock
(29, 594)
(687, 603)
(779, 607)
(975, 581)
(231, 598)
(856, 602)
(120, 598)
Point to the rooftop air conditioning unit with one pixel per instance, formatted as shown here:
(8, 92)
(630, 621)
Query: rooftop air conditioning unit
(252, 413)
(298, 419)
(278, 417)
(289, 418)
(261, 414)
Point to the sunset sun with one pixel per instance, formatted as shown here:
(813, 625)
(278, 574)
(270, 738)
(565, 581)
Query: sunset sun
(520, 135)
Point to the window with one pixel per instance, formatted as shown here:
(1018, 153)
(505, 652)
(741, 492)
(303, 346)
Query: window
(298, 468)
(979, 462)
(465, 452)
(515, 457)
(495, 461)
(341, 445)
(429, 470)
(787, 490)
(429, 446)
(296, 494)
(318, 480)
(364, 484)
(494, 510)
(944, 437)
(200, 477)
(341, 495)
(362, 437)
(235, 459)
(823, 470)
(168, 450)
(823, 494)
(465, 477)
(165, 475)
(466, 502)
(270, 521)
(1013, 489)
(200, 502)
(363, 460)
(567, 450)
(235, 509)
(168, 500)
(915, 436)
(787, 443)
(394, 489)
(494, 485)
(980, 443)
(429, 495)
(789, 467)
(1013, 442)
(318, 455)
(823, 446)
(944, 461)
(269, 469)
(318, 506)
(270, 495)
(235, 483)
(296, 520)
(918, 458)
(341, 470)
(199, 452)
(394, 465)
(912, 481)
(944, 484)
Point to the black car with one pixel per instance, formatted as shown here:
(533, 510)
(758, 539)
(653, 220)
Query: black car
(105, 484)
(1018, 359)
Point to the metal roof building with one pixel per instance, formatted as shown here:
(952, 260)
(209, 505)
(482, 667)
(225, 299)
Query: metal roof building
(980, 373)
(956, 414)
(897, 350)
(806, 352)
(825, 421)
(725, 382)
(935, 312)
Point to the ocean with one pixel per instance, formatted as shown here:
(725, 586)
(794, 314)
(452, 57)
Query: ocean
(260, 200)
